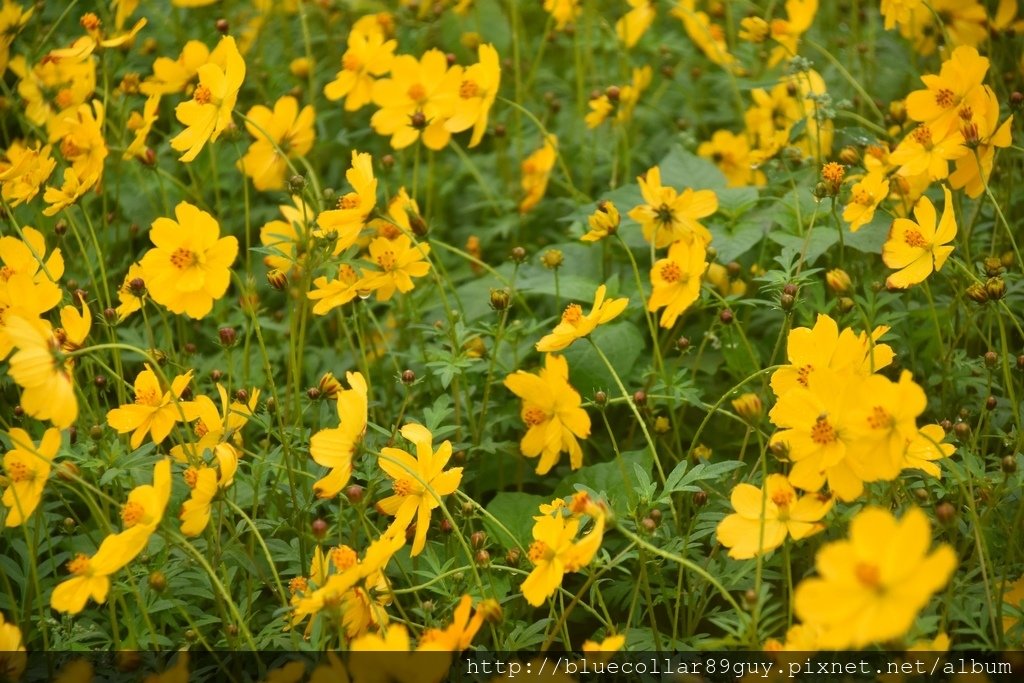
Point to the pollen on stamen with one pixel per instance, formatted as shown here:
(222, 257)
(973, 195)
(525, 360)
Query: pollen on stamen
(671, 272)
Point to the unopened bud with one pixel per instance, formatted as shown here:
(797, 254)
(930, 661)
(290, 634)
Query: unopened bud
(977, 293)
(277, 279)
(500, 299)
(319, 528)
(945, 512)
(408, 377)
(227, 336)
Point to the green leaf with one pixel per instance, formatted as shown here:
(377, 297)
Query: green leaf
(684, 478)
(516, 511)
(817, 243)
(621, 342)
(681, 169)
(612, 480)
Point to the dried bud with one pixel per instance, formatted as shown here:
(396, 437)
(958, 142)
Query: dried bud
(313, 394)
(446, 526)
(500, 299)
(100, 381)
(1016, 100)
(418, 120)
(110, 315)
(945, 512)
(750, 598)
(482, 557)
(227, 336)
(513, 556)
(137, 287)
(96, 432)
(921, 494)
(786, 302)
(478, 539)
(69, 525)
(500, 130)
(993, 266)
(408, 377)
(319, 528)
(278, 279)
(296, 184)
(613, 93)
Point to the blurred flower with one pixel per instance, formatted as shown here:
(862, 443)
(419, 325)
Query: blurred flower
(872, 586)
(415, 100)
(459, 634)
(551, 410)
(730, 152)
(208, 113)
(353, 208)
(369, 55)
(287, 239)
(536, 170)
(205, 482)
(282, 134)
(475, 96)
(865, 196)
(917, 248)
(176, 75)
(603, 222)
(556, 552)
(24, 172)
(13, 658)
(574, 325)
(787, 32)
(634, 24)
(27, 467)
(927, 447)
(564, 12)
(335, 446)
(39, 368)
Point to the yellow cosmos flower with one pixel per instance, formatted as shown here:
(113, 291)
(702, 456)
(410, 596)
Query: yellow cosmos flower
(608, 645)
(13, 658)
(155, 411)
(189, 267)
(883, 423)
(917, 248)
(399, 260)
(900, 12)
(634, 23)
(987, 134)
(865, 196)
(141, 124)
(926, 448)
(419, 483)
(141, 515)
(176, 75)
(344, 222)
(369, 56)
(287, 238)
(282, 134)
(555, 552)
(708, 36)
(67, 194)
(334, 447)
(730, 152)
(130, 299)
(536, 170)
(872, 586)
(13, 18)
(787, 32)
(24, 173)
(551, 410)
(574, 325)
(564, 12)
(205, 483)
(25, 263)
(603, 222)
(459, 634)
(957, 85)
(475, 96)
(922, 152)
(39, 368)
(27, 466)
(825, 347)
(336, 291)
(748, 533)
(208, 113)
(80, 132)
(670, 216)
(415, 100)
(675, 280)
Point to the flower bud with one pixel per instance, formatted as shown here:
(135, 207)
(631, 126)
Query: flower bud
(991, 358)
(1009, 464)
(277, 279)
(849, 155)
(296, 184)
(354, 493)
(700, 498)
(222, 26)
(319, 528)
(158, 581)
(500, 299)
(640, 397)
(600, 398)
(749, 407)
(552, 259)
(995, 287)
(408, 377)
(945, 512)
(227, 336)
(518, 254)
(478, 539)
(838, 280)
(662, 425)
(977, 293)
(726, 316)
(991, 402)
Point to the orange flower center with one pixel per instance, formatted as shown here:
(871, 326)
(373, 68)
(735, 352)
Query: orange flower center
(867, 574)
(191, 477)
(534, 416)
(783, 498)
(879, 418)
(804, 374)
(863, 197)
(833, 173)
(416, 92)
(132, 513)
(182, 258)
(572, 314)
(389, 231)
(923, 136)
(351, 62)
(19, 471)
(945, 98)
(539, 550)
(147, 397)
(468, 89)
(823, 433)
(202, 94)
(343, 557)
(201, 429)
(65, 98)
(6, 272)
(89, 21)
(914, 238)
(386, 260)
(348, 201)
(670, 272)
(79, 565)
(403, 487)
(298, 585)
(68, 147)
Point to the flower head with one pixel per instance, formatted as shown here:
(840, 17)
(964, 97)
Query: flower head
(536, 170)
(208, 113)
(27, 467)
(475, 96)
(281, 134)
(574, 325)
(917, 248)
(155, 410)
(675, 280)
(668, 215)
(369, 55)
(335, 446)
(556, 552)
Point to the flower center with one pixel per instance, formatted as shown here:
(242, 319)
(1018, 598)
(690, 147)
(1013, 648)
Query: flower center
(417, 93)
(201, 429)
(68, 147)
(923, 136)
(863, 197)
(65, 98)
(468, 89)
(348, 201)
(182, 258)
(914, 238)
(343, 557)
(804, 374)
(298, 585)
(573, 314)
(670, 272)
(867, 574)
(79, 565)
(822, 433)
(19, 471)
(6, 272)
(663, 215)
(191, 477)
(783, 499)
(534, 416)
(132, 513)
(945, 98)
(351, 62)
(539, 550)
(147, 397)
(89, 21)
(403, 487)
(202, 94)
(879, 418)
(386, 260)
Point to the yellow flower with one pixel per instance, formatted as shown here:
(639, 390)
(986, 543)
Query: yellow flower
(917, 248)
(551, 410)
(27, 467)
(414, 100)
(338, 291)
(369, 55)
(81, 140)
(208, 113)
(900, 12)
(48, 390)
(213, 426)
(536, 170)
(864, 199)
(603, 222)
(31, 275)
(825, 347)
(189, 266)
(419, 483)
(1013, 597)
(13, 659)
(705, 34)
(205, 482)
(927, 447)
(13, 18)
(608, 645)
(748, 533)
(175, 75)
(670, 216)
(922, 152)
(988, 135)
(675, 280)
(353, 208)
(334, 447)
(754, 30)
(142, 124)
(475, 96)
(68, 194)
(24, 172)
(883, 423)
(130, 301)
(872, 586)
(574, 325)
(154, 411)
(459, 634)
(958, 85)
(786, 32)
(564, 12)
(287, 238)
(731, 153)
(282, 134)
(634, 24)
(399, 260)
(555, 552)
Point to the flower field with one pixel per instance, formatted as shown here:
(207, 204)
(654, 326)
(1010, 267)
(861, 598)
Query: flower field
(568, 325)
